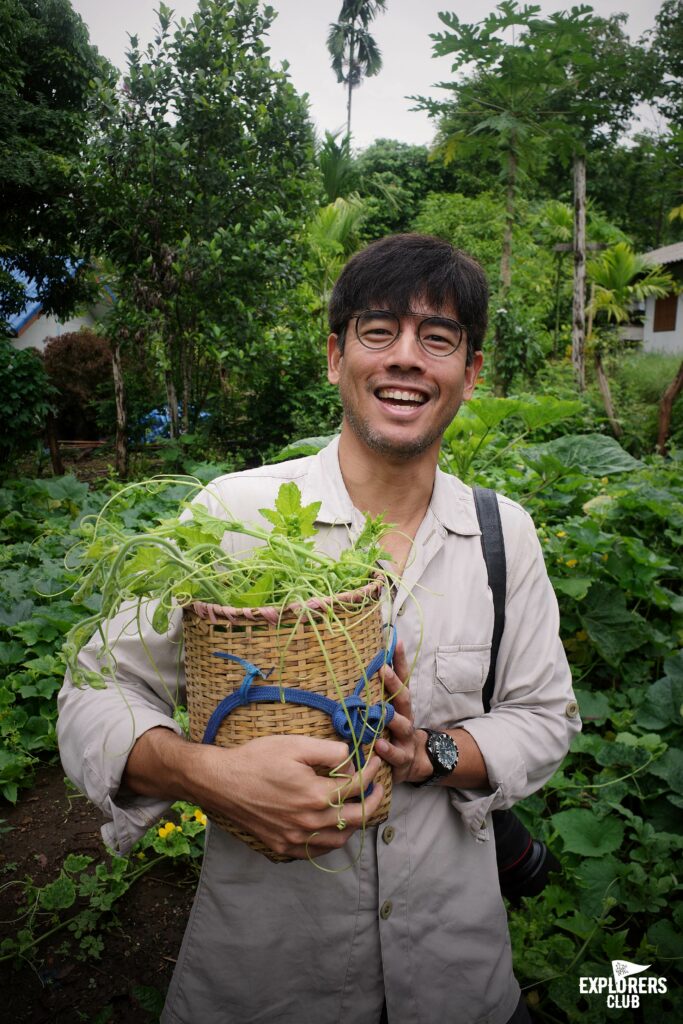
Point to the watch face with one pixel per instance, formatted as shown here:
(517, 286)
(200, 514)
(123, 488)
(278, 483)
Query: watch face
(444, 750)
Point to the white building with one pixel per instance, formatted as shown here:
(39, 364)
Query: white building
(663, 327)
(33, 328)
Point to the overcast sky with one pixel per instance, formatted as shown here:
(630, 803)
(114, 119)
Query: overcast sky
(380, 106)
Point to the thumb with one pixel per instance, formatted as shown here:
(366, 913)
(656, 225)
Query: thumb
(322, 753)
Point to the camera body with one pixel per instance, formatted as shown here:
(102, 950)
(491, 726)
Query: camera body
(524, 863)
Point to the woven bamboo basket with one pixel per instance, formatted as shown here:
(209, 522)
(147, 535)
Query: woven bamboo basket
(292, 647)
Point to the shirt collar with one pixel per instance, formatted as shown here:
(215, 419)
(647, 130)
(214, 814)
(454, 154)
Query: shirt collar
(451, 502)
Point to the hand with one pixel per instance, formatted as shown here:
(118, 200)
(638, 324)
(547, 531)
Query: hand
(269, 787)
(405, 752)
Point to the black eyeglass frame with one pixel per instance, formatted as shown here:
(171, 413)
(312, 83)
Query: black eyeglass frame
(444, 320)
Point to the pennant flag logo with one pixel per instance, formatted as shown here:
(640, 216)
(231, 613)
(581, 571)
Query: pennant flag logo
(624, 968)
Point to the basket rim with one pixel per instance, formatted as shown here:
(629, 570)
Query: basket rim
(273, 614)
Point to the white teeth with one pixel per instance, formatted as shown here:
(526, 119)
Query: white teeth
(401, 396)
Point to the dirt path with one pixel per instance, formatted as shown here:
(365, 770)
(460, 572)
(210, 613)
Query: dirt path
(139, 950)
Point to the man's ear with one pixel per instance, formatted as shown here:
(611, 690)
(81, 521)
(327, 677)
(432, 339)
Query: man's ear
(471, 373)
(334, 358)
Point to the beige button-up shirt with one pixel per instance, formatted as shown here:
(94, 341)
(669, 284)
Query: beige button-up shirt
(412, 909)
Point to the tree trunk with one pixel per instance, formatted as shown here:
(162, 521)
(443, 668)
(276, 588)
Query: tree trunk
(348, 101)
(121, 416)
(506, 256)
(665, 406)
(603, 383)
(579, 302)
(187, 387)
(172, 399)
(53, 445)
(558, 287)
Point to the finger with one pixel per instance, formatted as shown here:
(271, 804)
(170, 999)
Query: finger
(350, 783)
(396, 756)
(401, 727)
(401, 666)
(324, 753)
(398, 692)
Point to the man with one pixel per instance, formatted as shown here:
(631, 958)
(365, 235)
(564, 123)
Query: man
(408, 914)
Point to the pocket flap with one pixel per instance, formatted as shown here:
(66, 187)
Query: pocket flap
(463, 667)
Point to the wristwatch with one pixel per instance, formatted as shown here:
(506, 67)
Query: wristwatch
(442, 751)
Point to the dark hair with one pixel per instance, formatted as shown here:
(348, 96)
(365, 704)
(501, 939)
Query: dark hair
(391, 272)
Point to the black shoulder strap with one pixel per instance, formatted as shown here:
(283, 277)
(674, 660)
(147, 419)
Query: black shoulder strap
(493, 548)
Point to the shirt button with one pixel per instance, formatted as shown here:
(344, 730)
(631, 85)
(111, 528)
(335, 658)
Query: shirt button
(385, 909)
(572, 709)
(388, 834)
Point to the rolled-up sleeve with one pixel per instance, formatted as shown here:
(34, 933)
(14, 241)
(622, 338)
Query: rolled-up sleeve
(97, 729)
(534, 714)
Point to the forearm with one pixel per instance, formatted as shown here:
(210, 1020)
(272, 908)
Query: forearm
(163, 764)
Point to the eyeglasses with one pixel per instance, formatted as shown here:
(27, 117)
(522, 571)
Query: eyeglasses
(378, 329)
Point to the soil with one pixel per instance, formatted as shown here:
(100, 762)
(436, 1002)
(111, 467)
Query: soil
(141, 943)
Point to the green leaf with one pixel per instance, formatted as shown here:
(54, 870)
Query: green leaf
(666, 938)
(592, 454)
(611, 626)
(75, 862)
(669, 767)
(573, 586)
(584, 833)
(58, 895)
(594, 707)
(663, 704)
(598, 882)
(306, 446)
(260, 594)
(546, 410)
(492, 411)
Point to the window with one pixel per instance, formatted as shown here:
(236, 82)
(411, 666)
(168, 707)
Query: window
(665, 313)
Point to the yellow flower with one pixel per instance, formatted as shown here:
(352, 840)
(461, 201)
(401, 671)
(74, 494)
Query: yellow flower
(142, 855)
(200, 817)
(604, 479)
(166, 829)
(179, 829)
(561, 533)
(571, 562)
(582, 635)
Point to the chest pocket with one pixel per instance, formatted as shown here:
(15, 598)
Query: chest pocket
(460, 674)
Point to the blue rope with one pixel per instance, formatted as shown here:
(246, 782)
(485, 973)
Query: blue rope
(354, 721)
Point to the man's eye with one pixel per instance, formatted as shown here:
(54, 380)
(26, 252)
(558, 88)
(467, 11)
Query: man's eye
(439, 339)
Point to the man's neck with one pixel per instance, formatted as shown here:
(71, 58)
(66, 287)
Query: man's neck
(377, 483)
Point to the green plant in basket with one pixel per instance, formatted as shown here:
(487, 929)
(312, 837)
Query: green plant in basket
(282, 582)
(180, 560)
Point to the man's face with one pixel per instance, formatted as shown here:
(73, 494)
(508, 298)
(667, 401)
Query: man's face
(398, 401)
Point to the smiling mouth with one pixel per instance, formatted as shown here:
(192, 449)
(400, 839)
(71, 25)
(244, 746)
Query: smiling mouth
(402, 398)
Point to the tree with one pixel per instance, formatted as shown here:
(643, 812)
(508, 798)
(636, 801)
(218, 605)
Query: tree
(355, 54)
(594, 76)
(337, 166)
(667, 54)
(498, 107)
(46, 68)
(198, 179)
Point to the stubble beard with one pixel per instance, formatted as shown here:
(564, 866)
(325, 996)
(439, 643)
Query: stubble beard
(378, 442)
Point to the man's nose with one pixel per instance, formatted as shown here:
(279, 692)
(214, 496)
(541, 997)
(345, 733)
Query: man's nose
(406, 350)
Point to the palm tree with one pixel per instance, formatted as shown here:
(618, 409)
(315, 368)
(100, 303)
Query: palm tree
(619, 279)
(355, 54)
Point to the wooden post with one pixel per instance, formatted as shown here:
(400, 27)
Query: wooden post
(53, 445)
(579, 302)
(665, 407)
(121, 415)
